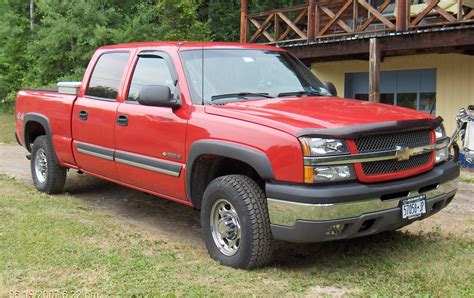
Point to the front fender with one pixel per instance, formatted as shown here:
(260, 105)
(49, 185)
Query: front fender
(253, 157)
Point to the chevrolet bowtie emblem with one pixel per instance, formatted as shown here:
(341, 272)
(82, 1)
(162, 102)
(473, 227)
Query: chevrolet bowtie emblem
(403, 153)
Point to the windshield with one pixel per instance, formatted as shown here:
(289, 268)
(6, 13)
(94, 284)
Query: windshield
(234, 74)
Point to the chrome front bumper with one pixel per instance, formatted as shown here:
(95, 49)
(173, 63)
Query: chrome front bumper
(287, 213)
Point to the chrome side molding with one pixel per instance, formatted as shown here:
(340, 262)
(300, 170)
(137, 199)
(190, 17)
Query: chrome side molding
(144, 162)
(96, 151)
(148, 163)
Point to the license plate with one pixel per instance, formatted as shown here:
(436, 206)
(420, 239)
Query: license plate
(414, 207)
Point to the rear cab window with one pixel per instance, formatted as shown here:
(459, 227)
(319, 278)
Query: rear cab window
(107, 75)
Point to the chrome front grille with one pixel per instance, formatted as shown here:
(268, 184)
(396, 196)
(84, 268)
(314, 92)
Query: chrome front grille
(384, 142)
(390, 166)
(390, 141)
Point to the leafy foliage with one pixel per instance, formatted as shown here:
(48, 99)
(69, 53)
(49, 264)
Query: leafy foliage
(224, 15)
(65, 33)
(14, 32)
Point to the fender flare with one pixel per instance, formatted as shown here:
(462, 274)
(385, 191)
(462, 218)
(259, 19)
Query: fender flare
(256, 159)
(41, 119)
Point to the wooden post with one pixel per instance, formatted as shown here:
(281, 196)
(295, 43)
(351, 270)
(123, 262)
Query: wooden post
(374, 70)
(317, 18)
(408, 13)
(243, 21)
(276, 28)
(311, 20)
(460, 10)
(355, 16)
(401, 15)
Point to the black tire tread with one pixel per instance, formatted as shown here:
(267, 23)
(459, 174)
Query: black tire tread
(255, 200)
(56, 174)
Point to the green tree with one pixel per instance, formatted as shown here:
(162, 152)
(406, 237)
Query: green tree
(70, 31)
(15, 35)
(67, 32)
(224, 15)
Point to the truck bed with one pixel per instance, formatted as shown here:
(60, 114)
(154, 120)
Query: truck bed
(57, 109)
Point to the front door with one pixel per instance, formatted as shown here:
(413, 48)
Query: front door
(94, 115)
(150, 141)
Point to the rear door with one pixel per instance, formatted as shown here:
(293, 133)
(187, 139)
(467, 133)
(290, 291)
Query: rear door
(150, 144)
(93, 118)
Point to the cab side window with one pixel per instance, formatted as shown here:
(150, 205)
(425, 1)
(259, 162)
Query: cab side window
(106, 76)
(150, 71)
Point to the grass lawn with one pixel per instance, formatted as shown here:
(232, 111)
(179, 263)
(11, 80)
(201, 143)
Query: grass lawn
(467, 180)
(61, 243)
(7, 127)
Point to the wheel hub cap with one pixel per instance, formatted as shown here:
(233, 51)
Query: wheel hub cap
(225, 227)
(41, 165)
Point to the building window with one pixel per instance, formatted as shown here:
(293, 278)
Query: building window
(362, 96)
(388, 98)
(407, 100)
(415, 89)
(428, 102)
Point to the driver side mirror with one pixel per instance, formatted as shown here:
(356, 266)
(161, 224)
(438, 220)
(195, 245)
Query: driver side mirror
(157, 96)
(331, 88)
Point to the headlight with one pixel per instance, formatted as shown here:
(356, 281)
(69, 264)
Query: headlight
(440, 132)
(442, 154)
(323, 147)
(329, 173)
(314, 147)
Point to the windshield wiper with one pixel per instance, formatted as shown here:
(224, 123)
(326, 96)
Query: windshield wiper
(240, 95)
(299, 93)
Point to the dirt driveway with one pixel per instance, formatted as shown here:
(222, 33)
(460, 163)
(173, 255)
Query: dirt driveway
(179, 221)
(167, 217)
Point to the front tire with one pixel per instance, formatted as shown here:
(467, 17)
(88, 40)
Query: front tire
(48, 175)
(235, 222)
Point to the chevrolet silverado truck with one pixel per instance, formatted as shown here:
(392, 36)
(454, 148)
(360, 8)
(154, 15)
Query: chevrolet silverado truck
(247, 135)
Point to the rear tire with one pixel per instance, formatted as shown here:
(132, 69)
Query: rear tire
(235, 222)
(48, 175)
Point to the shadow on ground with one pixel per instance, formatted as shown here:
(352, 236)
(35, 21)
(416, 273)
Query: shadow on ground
(173, 219)
(351, 252)
(182, 222)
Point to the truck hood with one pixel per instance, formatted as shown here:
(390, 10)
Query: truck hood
(294, 114)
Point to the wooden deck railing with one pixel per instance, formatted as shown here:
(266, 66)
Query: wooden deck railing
(321, 19)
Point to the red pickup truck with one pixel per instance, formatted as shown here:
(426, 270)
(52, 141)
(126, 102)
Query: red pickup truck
(245, 133)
